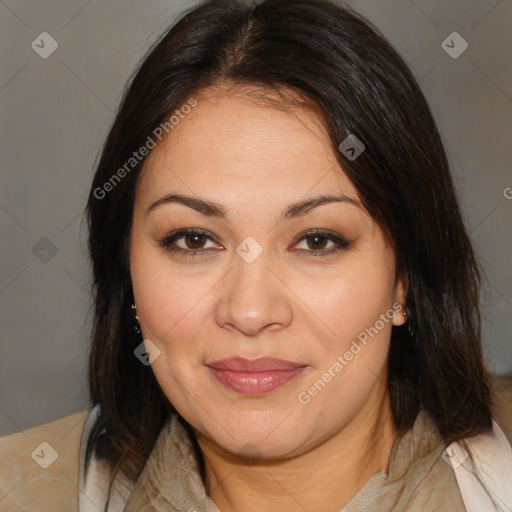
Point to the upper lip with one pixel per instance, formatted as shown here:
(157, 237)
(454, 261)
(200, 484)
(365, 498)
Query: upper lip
(240, 364)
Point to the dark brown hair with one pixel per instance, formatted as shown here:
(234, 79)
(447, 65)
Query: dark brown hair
(359, 85)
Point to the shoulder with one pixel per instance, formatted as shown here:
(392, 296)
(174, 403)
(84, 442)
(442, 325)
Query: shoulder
(39, 467)
(483, 468)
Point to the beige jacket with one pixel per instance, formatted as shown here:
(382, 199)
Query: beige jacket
(39, 467)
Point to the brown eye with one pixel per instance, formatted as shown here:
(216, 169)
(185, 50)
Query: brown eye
(195, 240)
(316, 242)
(320, 243)
(189, 242)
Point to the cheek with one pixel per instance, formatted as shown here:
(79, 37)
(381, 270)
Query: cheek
(172, 309)
(357, 306)
(350, 300)
(169, 305)
(352, 361)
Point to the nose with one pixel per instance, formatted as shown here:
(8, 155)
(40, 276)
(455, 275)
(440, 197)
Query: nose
(253, 299)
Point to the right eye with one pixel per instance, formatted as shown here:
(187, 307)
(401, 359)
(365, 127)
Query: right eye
(193, 241)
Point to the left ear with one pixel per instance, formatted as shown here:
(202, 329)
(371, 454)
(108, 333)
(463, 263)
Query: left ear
(401, 290)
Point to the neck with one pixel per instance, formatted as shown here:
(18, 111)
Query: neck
(322, 479)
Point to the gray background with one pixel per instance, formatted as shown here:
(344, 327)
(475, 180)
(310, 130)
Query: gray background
(56, 113)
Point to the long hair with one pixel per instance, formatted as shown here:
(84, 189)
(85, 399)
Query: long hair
(358, 84)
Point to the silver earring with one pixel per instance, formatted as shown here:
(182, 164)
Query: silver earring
(137, 325)
(411, 332)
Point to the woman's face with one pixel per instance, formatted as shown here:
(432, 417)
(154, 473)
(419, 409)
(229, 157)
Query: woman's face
(265, 285)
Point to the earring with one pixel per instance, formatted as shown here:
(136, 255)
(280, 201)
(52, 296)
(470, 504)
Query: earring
(137, 325)
(407, 319)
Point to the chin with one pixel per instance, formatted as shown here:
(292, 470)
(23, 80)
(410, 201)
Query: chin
(255, 437)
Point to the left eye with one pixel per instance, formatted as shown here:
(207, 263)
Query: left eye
(317, 243)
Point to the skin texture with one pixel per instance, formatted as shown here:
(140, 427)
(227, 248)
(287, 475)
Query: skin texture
(267, 452)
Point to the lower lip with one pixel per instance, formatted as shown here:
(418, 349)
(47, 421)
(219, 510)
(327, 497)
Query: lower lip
(255, 383)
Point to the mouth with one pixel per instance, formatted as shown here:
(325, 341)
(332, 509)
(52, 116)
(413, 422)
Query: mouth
(256, 376)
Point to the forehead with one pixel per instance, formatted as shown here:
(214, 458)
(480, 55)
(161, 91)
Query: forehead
(244, 144)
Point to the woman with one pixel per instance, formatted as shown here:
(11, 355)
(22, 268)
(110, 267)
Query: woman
(286, 297)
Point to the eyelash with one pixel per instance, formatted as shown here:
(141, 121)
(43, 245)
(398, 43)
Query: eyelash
(166, 243)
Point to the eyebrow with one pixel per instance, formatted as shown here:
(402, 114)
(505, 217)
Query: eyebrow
(211, 209)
